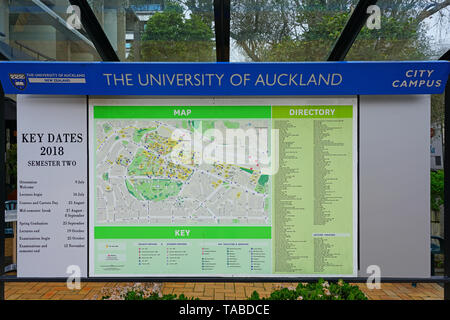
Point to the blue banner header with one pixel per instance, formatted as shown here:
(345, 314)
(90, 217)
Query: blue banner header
(224, 79)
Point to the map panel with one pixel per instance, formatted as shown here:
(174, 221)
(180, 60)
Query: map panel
(143, 176)
(223, 190)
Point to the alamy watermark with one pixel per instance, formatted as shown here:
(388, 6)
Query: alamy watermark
(374, 280)
(73, 20)
(256, 148)
(374, 19)
(73, 281)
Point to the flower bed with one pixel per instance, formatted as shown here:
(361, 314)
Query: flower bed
(321, 290)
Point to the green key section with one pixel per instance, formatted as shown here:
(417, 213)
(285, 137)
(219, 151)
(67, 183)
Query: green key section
(182, 257)
(183, 232)
(182, 112)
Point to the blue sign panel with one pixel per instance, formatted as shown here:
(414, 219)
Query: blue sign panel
(225, 79)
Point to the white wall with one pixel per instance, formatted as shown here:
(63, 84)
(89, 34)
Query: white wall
(395, 185)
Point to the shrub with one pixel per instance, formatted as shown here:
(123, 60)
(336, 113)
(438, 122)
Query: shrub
(437, 189)
(139, 295)
(321, 290)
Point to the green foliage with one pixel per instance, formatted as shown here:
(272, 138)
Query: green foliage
(437, 109)
(397, 40)
(254, 296)
(202, 8)
(314, 43)
(437, 189)
(11, 165)
(321, 290)
(139, 295)
(170, 36)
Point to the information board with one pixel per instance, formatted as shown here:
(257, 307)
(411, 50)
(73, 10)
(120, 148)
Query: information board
(52, 186)
(251, 173)
(237, 189)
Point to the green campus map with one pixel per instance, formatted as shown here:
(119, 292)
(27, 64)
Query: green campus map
(178, 192)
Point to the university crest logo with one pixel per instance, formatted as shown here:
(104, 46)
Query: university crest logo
(19, 80)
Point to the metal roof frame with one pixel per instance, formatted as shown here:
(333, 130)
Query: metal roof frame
(222, 17)
(446, 56)
(351, 31)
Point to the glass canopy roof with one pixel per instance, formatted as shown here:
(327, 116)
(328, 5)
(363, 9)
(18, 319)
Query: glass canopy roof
(38, 30)
(252, 30)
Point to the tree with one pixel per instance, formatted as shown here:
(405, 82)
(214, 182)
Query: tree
(172, 36)
(201, 8)
(305, 30)
(258, 26)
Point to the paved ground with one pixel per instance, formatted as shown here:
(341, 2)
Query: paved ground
(92, 290)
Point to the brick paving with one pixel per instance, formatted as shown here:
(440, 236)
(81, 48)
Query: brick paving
(208, 290)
